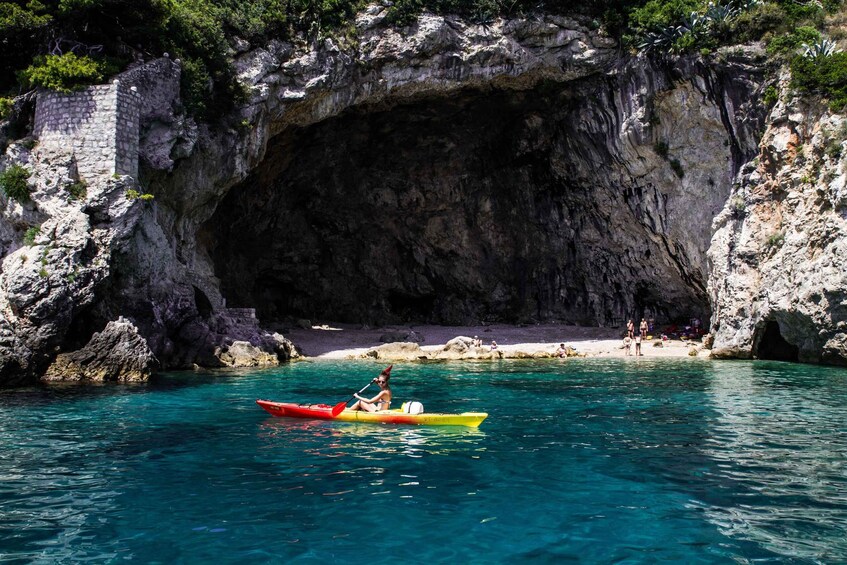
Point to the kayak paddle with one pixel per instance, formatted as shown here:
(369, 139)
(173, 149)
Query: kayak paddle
(339, 408)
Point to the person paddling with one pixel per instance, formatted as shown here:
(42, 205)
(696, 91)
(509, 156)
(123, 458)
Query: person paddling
(381, 401)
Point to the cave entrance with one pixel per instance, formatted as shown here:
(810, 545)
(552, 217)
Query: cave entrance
(480, 206)
(772, 346)
(204, 305)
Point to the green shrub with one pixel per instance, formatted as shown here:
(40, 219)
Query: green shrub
(775, 240)
(657, 14)
(739, 207)
(6, 105)
(63, 73)
(770, 96)
(30, 235)
(755, 23)
(404, 12)
(788, 43)
(78, 190)
(687, 42)
(14, 183)
(21, 31)
(799, 11)
(677, 168)
(196, 85)
(661, 149)
(132, 194)
(824, 76)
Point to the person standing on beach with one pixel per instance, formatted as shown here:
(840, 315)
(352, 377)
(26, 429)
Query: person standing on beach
(630, 329)
(627, 344)
(638, 345)
(642, 328)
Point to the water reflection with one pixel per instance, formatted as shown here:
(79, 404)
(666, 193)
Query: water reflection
(54, 495)
(369, 441)
(782, 446)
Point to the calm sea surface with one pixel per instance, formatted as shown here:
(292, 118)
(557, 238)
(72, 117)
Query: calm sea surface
(595, 461)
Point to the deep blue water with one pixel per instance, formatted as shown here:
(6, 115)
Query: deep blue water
(596, 461)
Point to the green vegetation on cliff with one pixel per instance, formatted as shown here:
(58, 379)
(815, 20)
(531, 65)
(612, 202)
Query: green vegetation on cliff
(15, 184)
(685, 26)
(39, 36)
(63, 73)
(823, 75)
(64, 44)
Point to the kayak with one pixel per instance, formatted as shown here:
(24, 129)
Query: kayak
(397, 416)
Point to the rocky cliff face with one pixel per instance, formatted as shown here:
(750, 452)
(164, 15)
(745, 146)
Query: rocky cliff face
(586, 200)
(778, 283)
(446, 172)
(461, 173)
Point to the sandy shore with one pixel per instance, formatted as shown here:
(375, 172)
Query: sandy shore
(342, 341)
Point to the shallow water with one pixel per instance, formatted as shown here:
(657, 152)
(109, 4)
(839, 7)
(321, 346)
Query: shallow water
(585, 460)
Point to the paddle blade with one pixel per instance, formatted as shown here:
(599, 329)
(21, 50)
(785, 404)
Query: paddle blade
(338, 408)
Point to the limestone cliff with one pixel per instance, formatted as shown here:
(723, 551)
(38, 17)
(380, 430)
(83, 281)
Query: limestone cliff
(778, 282)
(515, 172)
(446, 172)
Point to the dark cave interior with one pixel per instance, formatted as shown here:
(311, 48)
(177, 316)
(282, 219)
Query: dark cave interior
(772, 346)
(488, 206)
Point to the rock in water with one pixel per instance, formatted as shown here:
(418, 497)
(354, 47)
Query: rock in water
(245, 354)
(118, 353)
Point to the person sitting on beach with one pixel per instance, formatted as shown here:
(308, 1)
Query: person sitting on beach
(381, 401)
(562, 351)
(493, 345)
(627, 344)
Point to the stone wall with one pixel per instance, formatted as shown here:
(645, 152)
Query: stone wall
(157, 83)
(99, 126)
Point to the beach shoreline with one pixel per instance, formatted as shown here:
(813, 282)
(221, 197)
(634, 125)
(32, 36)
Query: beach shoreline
(347, 341)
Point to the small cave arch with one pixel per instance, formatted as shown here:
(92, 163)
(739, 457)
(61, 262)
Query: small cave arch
(770, 344)
(83, 327)
(203, 304)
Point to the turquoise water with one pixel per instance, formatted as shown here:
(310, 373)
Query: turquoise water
(586, 460)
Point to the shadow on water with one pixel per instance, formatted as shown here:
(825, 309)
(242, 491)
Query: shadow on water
(52, 392)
